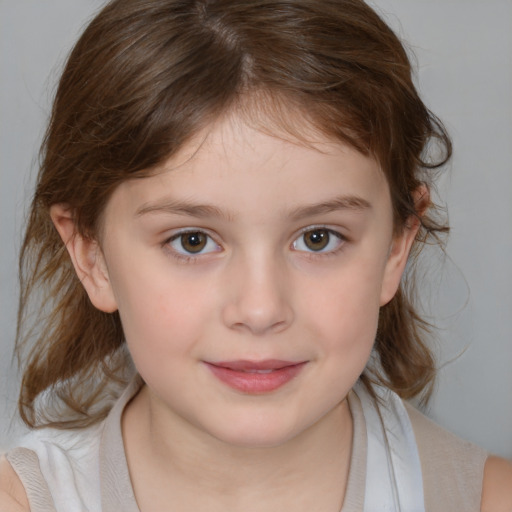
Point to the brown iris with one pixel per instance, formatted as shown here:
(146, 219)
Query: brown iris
(316, 239)
(193, 242)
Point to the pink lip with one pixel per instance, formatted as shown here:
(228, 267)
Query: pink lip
(256, 377)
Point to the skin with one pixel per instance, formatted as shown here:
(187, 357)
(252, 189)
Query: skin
(12, 493)
(255, 292)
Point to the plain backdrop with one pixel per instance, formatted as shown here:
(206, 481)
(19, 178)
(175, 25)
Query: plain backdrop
(463, 54)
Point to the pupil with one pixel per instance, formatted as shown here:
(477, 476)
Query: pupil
(194, 239)
(193, 242)
(317, 240)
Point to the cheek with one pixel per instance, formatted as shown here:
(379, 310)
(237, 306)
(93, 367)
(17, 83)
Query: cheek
(163, 331)
(160, 313)
(345, 308)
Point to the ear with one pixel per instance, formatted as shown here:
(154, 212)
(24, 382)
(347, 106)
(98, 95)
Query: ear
(87, 258)
(401, 246)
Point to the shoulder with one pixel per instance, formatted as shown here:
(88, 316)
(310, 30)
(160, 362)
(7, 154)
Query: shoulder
(452, 465)
(54, 469)
(439, 446)
(497, 485)
(13, 497)
(453, 468)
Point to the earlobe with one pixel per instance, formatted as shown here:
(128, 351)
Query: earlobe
(87, 258)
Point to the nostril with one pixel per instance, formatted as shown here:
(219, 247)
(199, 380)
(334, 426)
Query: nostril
(257, 295)
(242, 316)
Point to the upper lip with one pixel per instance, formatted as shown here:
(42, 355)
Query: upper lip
(243, 365)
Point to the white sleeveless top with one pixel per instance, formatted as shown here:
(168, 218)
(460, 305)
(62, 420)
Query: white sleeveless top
(86, 470)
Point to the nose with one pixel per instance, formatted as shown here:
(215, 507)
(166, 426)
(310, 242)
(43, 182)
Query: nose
(258, 295)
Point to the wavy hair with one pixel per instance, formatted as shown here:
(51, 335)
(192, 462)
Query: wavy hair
(144, 78)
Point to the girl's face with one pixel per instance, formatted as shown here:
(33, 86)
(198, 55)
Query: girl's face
(248, 274)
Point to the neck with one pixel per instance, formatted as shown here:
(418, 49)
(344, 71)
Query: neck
(183, 464)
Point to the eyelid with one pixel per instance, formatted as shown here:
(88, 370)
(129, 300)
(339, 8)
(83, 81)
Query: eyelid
(190, 255)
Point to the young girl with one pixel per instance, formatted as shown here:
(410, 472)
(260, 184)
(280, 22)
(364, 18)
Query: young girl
(229, 196)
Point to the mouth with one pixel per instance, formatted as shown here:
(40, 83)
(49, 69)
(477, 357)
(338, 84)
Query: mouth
(255, 377)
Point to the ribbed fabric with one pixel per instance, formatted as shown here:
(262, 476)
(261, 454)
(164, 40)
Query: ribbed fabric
(116, 491)
(26, 465)
(453, 469)
(77, 471)
(68, 461)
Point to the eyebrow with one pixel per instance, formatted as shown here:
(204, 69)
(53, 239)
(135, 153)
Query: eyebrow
(172, 207)
(184, 208)
(353, 203)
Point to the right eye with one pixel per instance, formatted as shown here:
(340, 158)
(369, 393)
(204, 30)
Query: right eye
(193, 242)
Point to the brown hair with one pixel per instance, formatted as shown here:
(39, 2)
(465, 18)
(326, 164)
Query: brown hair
(146, 76)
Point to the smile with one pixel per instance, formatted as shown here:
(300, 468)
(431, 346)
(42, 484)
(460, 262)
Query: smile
(256, 377)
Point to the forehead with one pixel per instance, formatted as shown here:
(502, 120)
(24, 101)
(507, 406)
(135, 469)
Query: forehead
(238, 167)
(278, 115)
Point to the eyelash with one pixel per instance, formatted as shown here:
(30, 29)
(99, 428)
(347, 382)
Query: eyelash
(321, 253)
(189, 257)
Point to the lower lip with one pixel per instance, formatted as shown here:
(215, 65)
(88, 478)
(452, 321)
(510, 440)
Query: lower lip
(256, 383)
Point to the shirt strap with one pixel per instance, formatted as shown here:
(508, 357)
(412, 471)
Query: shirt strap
(394, 480)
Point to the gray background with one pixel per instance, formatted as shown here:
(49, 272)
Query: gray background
(464, 56)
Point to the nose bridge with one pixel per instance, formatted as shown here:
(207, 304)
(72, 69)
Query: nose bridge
(259, 298)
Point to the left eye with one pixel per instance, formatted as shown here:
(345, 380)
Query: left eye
(318, 240)
(193, 242)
